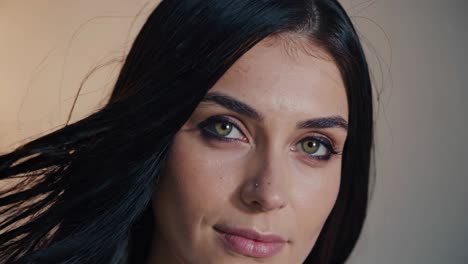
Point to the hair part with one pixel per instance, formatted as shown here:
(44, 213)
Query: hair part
(87, 187)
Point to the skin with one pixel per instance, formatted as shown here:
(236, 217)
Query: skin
(207, 182)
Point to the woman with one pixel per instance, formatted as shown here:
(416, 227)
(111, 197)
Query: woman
(237, 132)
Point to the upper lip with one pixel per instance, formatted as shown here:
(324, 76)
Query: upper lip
(250, 234)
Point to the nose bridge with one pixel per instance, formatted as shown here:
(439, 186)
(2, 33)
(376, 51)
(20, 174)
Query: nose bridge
(267, 188)
(271, 169)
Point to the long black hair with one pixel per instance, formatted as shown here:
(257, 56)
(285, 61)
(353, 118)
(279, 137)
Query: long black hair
(82, 194)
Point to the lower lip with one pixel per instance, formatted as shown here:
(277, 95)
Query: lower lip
(251, 248)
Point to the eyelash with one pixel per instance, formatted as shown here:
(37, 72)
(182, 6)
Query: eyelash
(326, 143)
(217, 119)
(224, 120)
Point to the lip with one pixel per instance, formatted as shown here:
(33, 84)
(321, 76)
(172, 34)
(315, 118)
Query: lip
(249, 242)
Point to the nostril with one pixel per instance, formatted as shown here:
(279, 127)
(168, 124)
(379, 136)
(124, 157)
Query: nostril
(264, 205)
(257, 204)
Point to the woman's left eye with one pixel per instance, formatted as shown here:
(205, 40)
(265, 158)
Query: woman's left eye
(221, 128)
(316, 148)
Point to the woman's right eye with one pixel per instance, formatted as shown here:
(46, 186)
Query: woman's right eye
(220, 127)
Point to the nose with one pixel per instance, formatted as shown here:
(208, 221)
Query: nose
(267, 188)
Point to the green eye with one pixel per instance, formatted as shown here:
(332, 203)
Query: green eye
(315, 148)
(219, 127)
(223, 129)
(310, 146)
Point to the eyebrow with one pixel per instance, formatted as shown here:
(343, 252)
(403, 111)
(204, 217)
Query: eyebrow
(244, 109)
(234, 105)
(324, 122)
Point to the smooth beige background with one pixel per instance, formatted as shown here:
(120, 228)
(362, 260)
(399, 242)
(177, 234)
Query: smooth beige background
(417, 51)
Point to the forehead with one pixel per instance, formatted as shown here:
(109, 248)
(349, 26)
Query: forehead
(281, 80)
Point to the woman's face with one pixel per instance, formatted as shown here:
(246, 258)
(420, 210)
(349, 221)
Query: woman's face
(254, 173)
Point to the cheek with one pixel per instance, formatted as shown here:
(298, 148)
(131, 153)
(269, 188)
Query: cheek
(199, 181)
(195, 185)
(315, 197)
(200, 175)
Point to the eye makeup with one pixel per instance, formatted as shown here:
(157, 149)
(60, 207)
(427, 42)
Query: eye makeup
(323, 143)
(211, 130)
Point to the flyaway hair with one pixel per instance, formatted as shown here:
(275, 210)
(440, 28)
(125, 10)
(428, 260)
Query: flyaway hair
(82, 194)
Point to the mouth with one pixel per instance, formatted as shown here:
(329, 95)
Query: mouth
(250, 243)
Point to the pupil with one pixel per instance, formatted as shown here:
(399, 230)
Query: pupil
(223, 128)
(310, 146)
